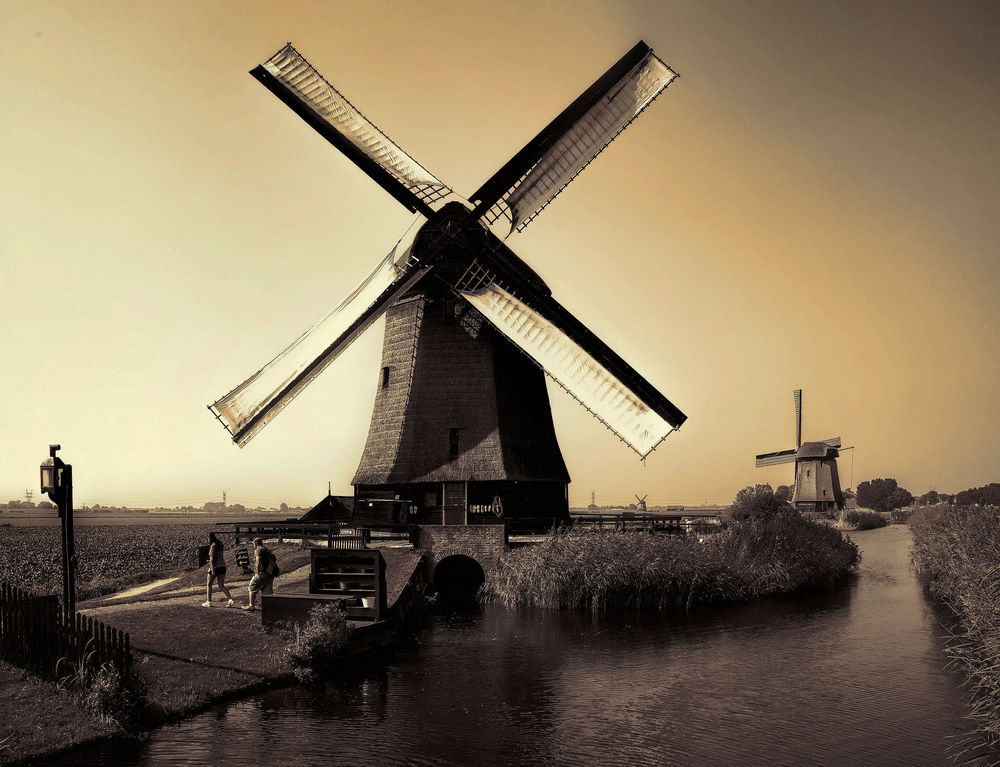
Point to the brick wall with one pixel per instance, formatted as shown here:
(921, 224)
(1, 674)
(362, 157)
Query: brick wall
(483, 543)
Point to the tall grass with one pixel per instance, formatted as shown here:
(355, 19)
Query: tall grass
(864, 520)
(751, 558)
(956, 550)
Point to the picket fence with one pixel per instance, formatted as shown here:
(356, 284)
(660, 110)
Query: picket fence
(34, 636)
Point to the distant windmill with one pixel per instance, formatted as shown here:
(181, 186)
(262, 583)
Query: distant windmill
(641, 502)
(817, 482)
(462, 423)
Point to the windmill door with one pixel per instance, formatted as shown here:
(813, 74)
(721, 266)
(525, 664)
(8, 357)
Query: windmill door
(454, 503)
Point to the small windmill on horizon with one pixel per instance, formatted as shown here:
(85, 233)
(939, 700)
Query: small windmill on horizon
(817, 481)
(462, 423)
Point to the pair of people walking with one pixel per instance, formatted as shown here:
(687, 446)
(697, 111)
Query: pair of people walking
(265, 570)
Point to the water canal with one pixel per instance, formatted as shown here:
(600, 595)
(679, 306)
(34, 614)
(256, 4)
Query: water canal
(852, 677)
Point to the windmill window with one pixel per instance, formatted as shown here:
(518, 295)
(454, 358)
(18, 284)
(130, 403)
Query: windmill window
(808, 473)
(452, 444)
(385, 376)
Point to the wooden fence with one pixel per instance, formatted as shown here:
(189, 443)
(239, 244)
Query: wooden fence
(34, 636)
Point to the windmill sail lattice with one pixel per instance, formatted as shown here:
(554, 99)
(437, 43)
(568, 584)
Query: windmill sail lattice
(617, 100)
(320, 101)
(596, 388)
(450, 250)
(250, 406)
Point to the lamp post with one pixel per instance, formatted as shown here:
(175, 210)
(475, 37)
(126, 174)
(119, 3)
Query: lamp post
(57, 483)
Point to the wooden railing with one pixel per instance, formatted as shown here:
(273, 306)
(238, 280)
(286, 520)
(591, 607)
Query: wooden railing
(283, 529)
(671, 523)
(35, 637)
(336, 535)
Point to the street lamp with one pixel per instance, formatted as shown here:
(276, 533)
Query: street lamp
(57, 483)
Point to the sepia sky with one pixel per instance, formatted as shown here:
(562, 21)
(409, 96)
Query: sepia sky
(814, 204)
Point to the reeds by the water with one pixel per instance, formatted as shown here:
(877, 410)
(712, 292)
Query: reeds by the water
(753, 558)
(956, 550)
(864, 520)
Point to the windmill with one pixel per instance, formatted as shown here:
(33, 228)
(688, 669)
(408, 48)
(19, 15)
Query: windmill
(461, 422)
(640, 504)
(817, 483)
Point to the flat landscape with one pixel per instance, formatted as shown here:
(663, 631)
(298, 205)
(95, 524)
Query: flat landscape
(108, 557)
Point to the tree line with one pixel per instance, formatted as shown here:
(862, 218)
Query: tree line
(881, 494)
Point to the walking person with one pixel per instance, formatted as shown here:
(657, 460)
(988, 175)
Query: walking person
(263, 578)
(217, 571)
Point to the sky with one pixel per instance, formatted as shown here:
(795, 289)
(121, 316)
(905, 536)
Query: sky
(813, 205)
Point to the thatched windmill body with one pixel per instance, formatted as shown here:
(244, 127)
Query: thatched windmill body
(817, 481)
(461, 427)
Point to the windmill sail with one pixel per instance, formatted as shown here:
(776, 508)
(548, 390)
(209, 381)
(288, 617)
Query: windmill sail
(293, 79)
(537, 174)
(250, 406)
(797, 395)
(776, 458)
(609, 388)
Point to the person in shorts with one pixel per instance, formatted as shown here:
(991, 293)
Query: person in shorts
(216, 571)
(263, 577)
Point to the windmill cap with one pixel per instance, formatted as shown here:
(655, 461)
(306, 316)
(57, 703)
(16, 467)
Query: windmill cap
(816, 450)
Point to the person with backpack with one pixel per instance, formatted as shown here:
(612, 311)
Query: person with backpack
(217, 570)
(265, 570)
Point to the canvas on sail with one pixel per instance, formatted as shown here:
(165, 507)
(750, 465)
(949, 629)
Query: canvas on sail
(250, 406)
(295, 73)
(611, 400)
(586, 138)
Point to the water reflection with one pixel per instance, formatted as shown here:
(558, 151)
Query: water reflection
(853, 676)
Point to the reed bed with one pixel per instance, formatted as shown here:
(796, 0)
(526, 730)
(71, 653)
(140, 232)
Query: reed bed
(956, 551)
(864, 520)
(595, 569)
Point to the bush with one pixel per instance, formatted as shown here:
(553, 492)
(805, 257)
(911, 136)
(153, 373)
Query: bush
(864, 520)
(778, 554)
(318, 645)
(956, 551)
(755, 501)
(900, 516)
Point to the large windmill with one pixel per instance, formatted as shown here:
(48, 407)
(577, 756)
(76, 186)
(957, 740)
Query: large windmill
(461, 424)
(817, 482)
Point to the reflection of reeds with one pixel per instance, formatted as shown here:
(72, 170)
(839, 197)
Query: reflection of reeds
(753, 558)
(956, 550)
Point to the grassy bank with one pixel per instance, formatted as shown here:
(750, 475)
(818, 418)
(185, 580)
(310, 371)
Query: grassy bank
(187, 656)
(36, 718)
(956, 551)
(751, 558)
